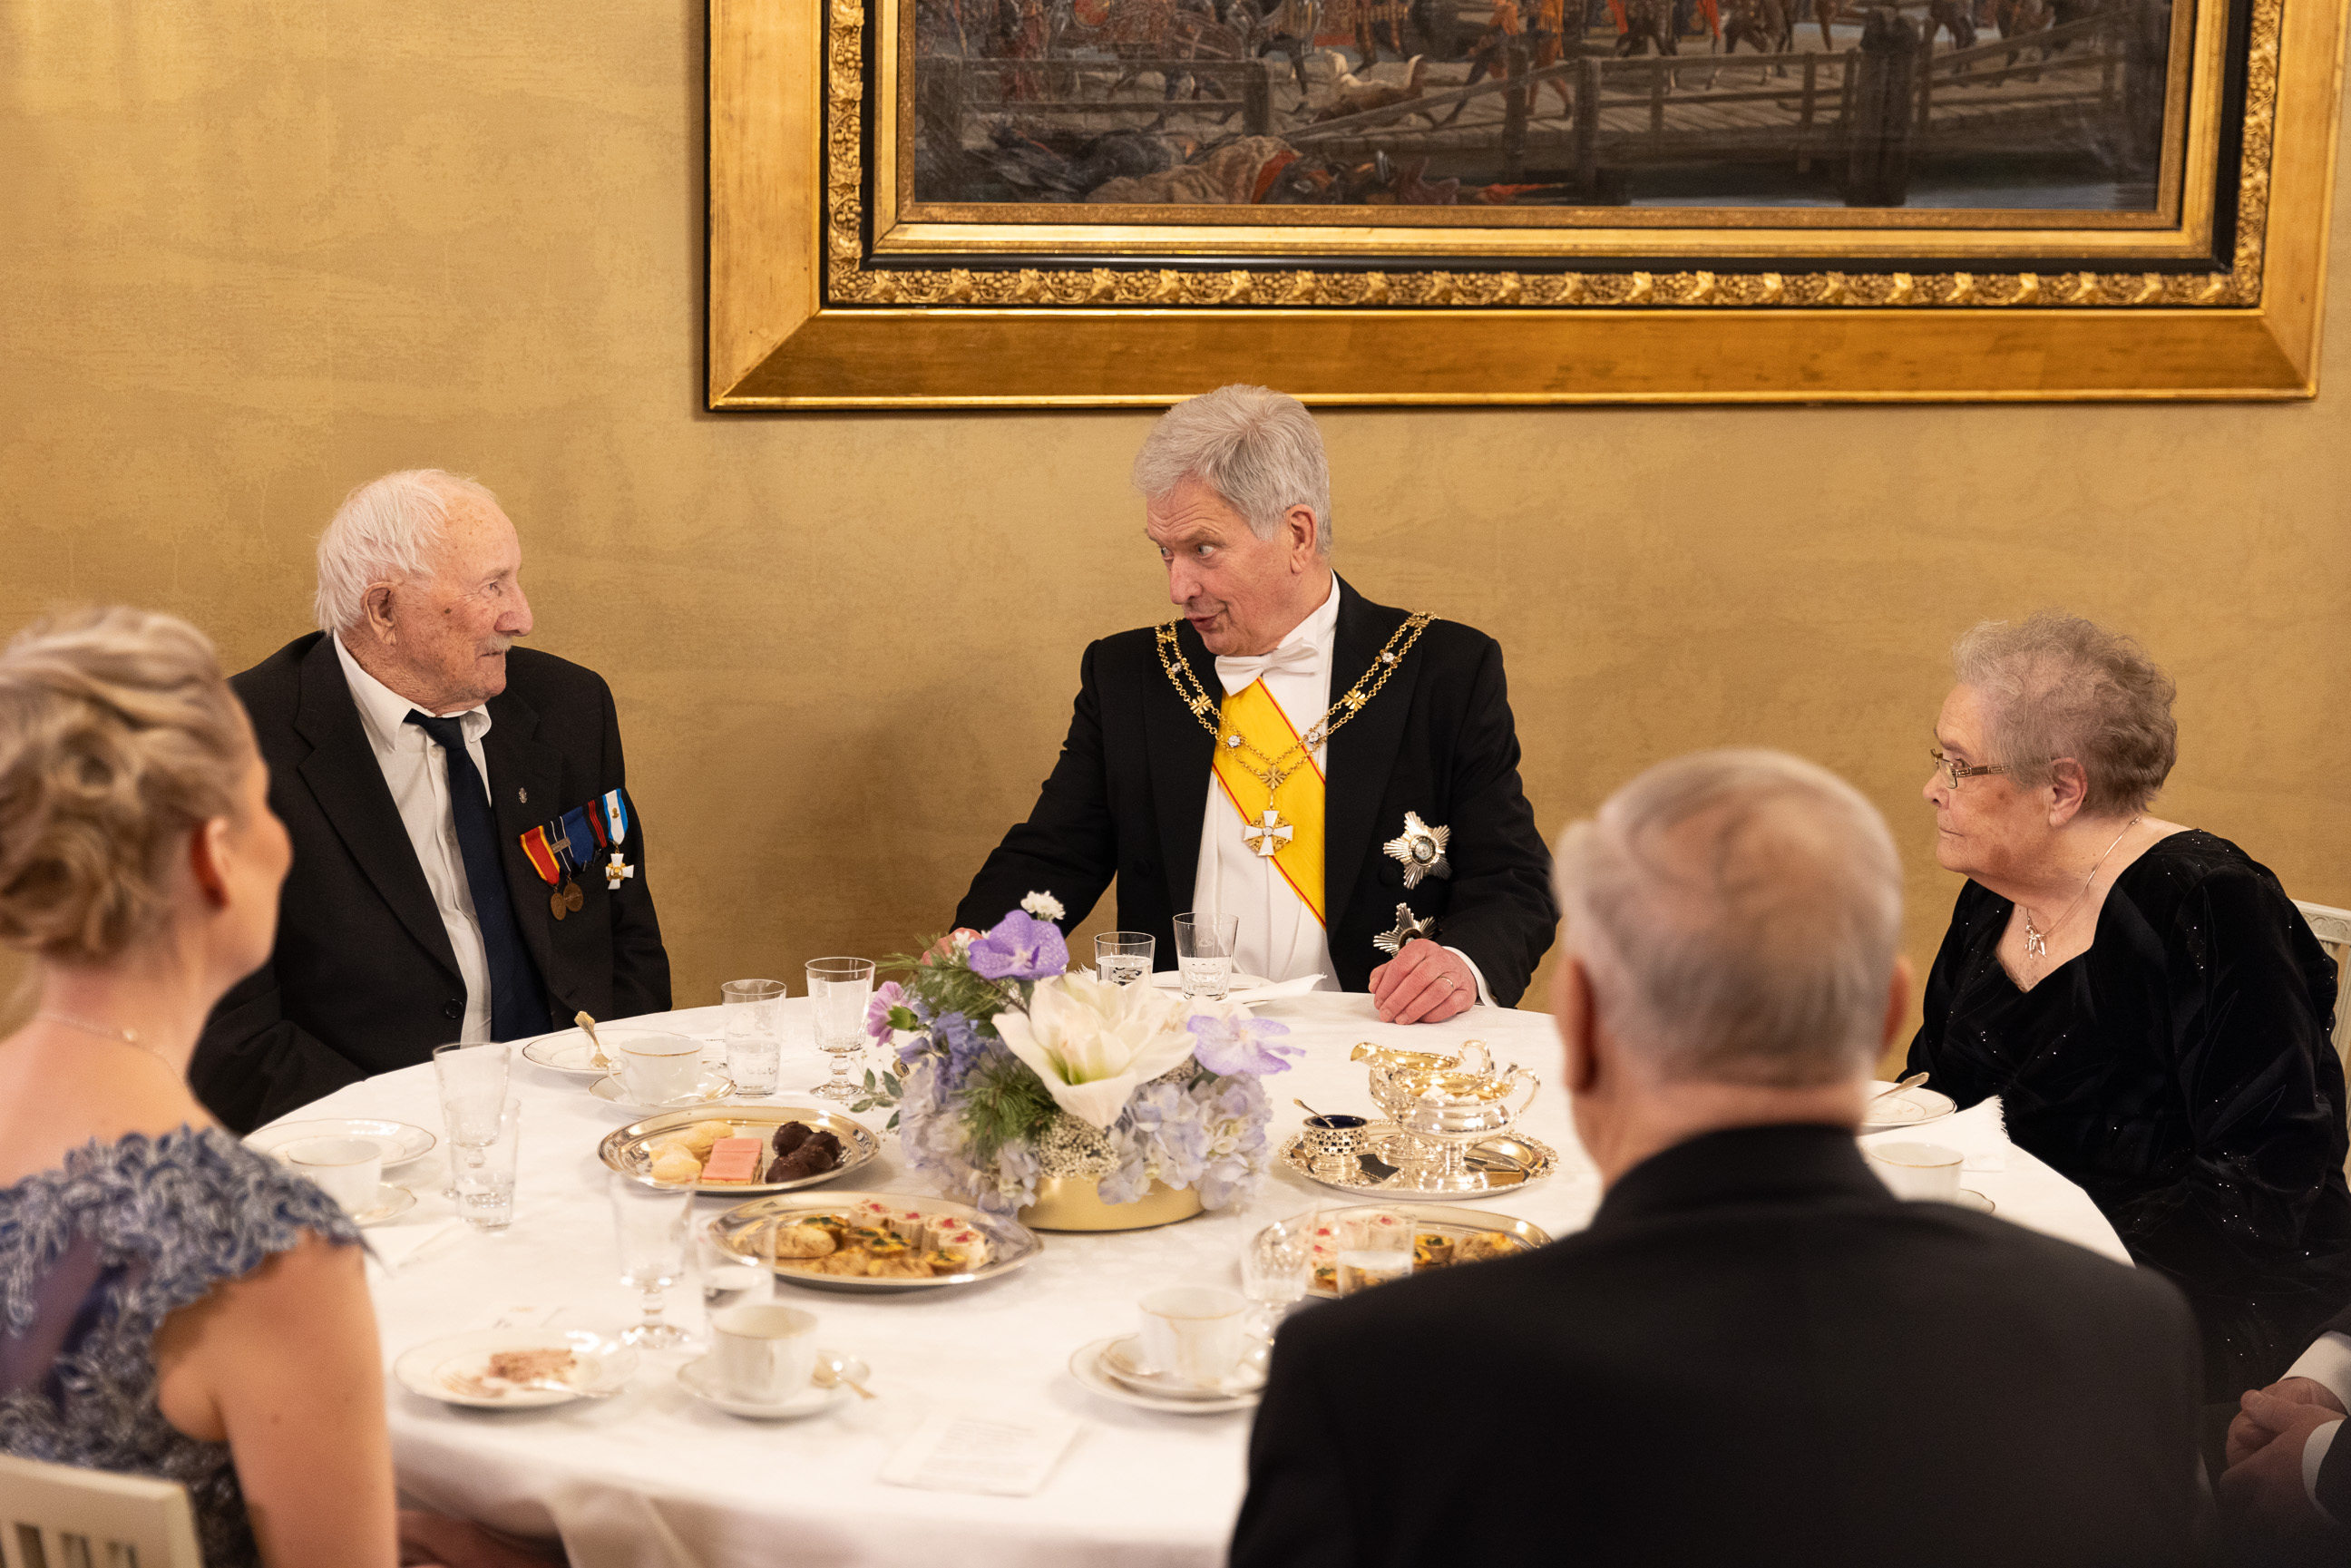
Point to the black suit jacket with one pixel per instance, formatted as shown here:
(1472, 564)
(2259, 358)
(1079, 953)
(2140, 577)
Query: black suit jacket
(1754, 1356)
(363, 979)
(1127, 795)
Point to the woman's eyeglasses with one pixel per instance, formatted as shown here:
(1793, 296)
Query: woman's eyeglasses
(1952, 772)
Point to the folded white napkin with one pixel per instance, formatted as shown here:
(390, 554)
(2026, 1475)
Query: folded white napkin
(1299, 986)
(397, 1246)
(1980, 1132)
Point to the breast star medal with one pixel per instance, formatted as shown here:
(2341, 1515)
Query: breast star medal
(1267, 834)
(1421, 849)
(614, 872)
(1406, 928)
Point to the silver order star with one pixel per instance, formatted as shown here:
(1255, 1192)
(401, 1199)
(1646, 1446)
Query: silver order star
(1421, 849)
(1406, 928)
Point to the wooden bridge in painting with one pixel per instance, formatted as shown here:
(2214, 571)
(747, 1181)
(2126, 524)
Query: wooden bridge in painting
(2092, 87)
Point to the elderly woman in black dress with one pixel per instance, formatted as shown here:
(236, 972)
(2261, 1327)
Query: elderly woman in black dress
(2143, 996)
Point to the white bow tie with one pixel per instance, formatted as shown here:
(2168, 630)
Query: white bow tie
(1295, 658)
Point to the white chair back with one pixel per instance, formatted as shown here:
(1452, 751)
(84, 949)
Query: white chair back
(2332, 926)
(54, 1516)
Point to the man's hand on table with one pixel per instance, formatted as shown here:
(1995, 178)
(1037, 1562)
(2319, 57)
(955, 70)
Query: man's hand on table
(2264, 1488)
(1423, 984)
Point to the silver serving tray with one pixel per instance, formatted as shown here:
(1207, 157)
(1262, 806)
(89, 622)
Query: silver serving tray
(1016, 1245)
(1453, 1223)
(625, 1150)
(1503, 1163)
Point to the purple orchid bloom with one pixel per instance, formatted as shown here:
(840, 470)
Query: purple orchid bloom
(1020, 947)
(890, 994)
(1225, 1047)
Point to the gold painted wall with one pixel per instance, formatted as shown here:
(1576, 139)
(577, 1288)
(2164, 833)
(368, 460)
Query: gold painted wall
(252, 251)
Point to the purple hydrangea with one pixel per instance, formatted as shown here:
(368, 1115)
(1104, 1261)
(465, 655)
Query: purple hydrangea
(1020, 947)
(1224, 1046)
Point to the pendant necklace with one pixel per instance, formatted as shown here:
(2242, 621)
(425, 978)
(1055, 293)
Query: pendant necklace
(2036, 941)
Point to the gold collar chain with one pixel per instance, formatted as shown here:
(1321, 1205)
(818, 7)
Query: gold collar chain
(1273, 770)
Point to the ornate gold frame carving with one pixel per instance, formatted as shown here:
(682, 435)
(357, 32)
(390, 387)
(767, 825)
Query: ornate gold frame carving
(828, 302)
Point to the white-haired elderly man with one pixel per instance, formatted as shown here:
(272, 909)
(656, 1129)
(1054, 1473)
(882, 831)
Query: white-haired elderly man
(1754, 1353)
(467, 865)
(1341, 777)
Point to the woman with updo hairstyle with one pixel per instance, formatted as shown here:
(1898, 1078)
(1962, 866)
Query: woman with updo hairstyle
(171, 1303)
(2144, 998)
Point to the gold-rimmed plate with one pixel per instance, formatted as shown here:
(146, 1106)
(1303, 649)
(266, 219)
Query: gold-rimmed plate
(1908, 1108)
(1012, 1246)
(627, 1151)
(1453, 1224)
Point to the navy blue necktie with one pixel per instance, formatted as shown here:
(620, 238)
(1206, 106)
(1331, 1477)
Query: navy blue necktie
(517, 1003)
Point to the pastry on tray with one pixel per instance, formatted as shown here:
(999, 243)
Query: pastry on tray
(907, 1243)
(726, 1154)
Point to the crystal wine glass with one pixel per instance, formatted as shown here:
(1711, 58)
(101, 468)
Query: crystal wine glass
(840, 988)
(1277, 1265)
(649, 1223)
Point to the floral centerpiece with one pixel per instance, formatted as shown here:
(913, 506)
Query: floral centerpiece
(1014, 1075)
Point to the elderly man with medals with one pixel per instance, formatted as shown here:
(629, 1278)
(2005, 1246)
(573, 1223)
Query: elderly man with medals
(1347, 787)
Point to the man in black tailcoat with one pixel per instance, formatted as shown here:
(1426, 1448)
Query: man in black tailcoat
(1755, 1353)
(413, 749)
(1340, 777)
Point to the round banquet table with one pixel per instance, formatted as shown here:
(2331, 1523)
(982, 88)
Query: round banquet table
(652, 1479)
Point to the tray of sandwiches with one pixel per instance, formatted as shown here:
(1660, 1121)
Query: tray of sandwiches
(727, 1150)
(1442, 1238)
(874, 1242)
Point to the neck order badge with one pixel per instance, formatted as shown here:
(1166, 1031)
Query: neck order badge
(1284, 818)
(558, 849)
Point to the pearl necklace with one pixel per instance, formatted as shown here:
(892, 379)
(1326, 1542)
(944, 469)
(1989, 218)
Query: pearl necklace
(2036, 941)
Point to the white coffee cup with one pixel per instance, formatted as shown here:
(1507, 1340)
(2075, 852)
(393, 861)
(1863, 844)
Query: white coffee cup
(348, 1169)
(762, 1351)
(1197, 1332)
(654, 1069)
(1918, 1170)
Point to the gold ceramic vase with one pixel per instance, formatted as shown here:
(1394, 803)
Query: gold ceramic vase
(1075, 1203)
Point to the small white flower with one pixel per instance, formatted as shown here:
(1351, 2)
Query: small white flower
(1044, 906)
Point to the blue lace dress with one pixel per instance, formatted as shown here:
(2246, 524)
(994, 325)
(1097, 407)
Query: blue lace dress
(92, 1258)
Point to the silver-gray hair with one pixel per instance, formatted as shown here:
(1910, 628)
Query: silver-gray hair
(1257, 449)
(1739, 914)
(2057, 685)
(385, 531)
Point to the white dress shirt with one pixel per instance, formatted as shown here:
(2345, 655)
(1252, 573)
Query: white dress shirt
(2327, 1362)
(418, 776)
(1279, 936)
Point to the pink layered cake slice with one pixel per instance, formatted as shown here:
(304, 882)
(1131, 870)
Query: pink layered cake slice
(734, 1161)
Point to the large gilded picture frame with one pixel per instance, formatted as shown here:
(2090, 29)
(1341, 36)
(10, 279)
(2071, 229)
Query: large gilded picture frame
(1071, 203)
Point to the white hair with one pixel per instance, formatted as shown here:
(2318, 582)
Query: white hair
(1257, 449)
(385, 531)
(1739, 914)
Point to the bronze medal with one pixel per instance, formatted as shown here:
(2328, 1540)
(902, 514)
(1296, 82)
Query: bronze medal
(554, 905)
(572, 897)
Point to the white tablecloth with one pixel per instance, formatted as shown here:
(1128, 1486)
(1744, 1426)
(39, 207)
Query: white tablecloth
(651, 1478)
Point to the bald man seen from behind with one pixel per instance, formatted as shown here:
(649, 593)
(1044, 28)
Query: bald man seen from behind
(1754, 1354)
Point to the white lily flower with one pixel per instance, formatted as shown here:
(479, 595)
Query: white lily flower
(1093, 1044)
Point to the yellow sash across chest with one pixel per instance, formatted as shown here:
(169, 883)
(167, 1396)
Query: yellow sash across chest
(1291, 817)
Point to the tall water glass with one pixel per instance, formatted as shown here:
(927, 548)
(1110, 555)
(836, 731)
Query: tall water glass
(751, 1012)
(1204, 952)
(473, 1080)
(840, 988)
(650, 1224)
(485, 1187)
(1124, 957)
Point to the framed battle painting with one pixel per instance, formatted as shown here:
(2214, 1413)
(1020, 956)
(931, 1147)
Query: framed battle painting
(1009, 202)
